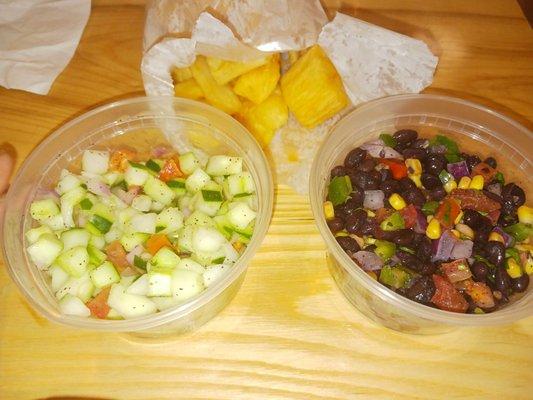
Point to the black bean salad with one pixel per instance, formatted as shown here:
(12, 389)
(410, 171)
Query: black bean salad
(434, 224)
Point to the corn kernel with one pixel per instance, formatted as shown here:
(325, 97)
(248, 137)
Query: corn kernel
(397, 201)
(477, 182)
(496, 237)
(528, 268)
(416, 180)
(513, 268)
(414, 167)
(369, 240)
(464, 182)
(360, 241)
(456, 233)
(433, 229)
(525, 214)
(370, 213)
(342, 233)
(450, 185)
(525, 247)
(328, 210)
(465, 230)
(458, 218)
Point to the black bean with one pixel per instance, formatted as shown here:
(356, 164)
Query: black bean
(502, 281)
(493, 196)
(406, 183)
(369, 226)
(507, 219)
(383, 235)
(471, 161)
(376, 176)
(411, 152)
(424, 250)
(335, 224)
(354, 157)
(495, 252)
(405, 136)
(389, 187)
(367, 165)
(348, 243)
(420, 144)
(403, 237)
(385, 174)
(434, 164)
(479, 271)
(407, 259)
(508, 207)
(437, 194)
(491, 161)
(514, 193)
(355, 223)
(414, 196)
(520, 284)
(356, 197)
(427, 268)
(422, 290)
(430, 181)
(339, 170)
(365, 180)
(471, 218)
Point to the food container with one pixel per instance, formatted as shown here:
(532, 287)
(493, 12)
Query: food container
(477, 130)
(137, 122)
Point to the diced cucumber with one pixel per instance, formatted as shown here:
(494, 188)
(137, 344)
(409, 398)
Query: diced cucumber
(189, 163)
(154, 165)
(224, 165)
(111, 178)
(184, 202)
(55, 223)
(104, 211)
(159, 284)
(207, 207)
(43, 209)
(74, 261)
(140, 286)
(158, 191)
(213, 273)
(196, 180)
(45, 250)
(34, 234)
(164, 303)
(71, 305)
(190, 265)
(178, 186)
(185, 238)
(156, 206)
(185, 284)
(143, 223)
(104, 275)
(113, 315)
(142, 203)
(163, 260)
(170, 219)
(98, 225)
(67, 182)
(131, 240)
(207, 239)
(123, 216)
(139, 262)
(81, 287)
(207, 258)
(97, 241)
(135, 175)
(231, 255)
(113, 234)
(243, 235)
(95, 161)
(240, 215)
(199, 218)
(68, 201)
(75, 237)
(129, 305)
(241, 183)
(59, 277)
(96, 256)
(86, 204)
(127, 281)
(223, 225)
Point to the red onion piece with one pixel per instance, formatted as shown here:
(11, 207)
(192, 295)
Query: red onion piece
(378, 149)
(458, 169)
(443, 246)
(374, 199)
(495, 188)
(421, 222)
(368, 260)
(462, 249)
(162, 151)
(98, 187)
(137, 251)
(127, 197)
(508, 239)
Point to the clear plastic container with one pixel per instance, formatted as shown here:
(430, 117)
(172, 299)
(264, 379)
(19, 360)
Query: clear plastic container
(478, 130)
(137, 122)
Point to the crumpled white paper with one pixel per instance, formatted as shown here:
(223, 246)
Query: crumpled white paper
(37, 40)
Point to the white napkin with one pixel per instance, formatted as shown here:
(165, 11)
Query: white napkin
(37, 40)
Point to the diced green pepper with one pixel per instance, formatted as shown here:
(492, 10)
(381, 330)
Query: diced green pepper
(86, 204)
(393, 222)
(445, 177)
(388, 140)
(430, 208)
(394, 277)
(514, 254)
(339, 190)
(407, 249)
(519, 231)
(452, 150)
(500, 178)
(384, 249)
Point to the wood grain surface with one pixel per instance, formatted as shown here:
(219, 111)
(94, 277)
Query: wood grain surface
(289, 333)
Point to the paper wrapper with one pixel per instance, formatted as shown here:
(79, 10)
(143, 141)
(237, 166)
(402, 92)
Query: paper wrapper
(373, 62)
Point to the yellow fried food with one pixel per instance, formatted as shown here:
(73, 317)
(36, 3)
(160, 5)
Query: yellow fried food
(188, 89)
(220, 96)
(180, 74)
(257, 84)
(224, 71)
(313, 89)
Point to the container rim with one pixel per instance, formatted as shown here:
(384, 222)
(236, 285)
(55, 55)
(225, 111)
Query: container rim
(176, 312)
(502, 316)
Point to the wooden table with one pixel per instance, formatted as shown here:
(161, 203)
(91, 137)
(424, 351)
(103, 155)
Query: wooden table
(289, 333)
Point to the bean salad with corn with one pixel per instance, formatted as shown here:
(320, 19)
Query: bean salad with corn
(434, 224)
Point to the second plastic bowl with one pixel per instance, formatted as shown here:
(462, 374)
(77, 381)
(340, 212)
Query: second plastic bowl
(478, 130)
(138, 123)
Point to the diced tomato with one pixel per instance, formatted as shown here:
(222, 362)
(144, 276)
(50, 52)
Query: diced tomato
(170, 170)
(474, 199)
(494, 215)
(485, 170)
(480, 294)
(98, 305)
(409, 215)
(119, 159)
(397, 167)
(447, 212)
(447, 297)
(156, 242)
(117, 255)
(456, 271)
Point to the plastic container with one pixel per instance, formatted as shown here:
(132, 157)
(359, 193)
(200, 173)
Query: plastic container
(138, 122)
(478, 130)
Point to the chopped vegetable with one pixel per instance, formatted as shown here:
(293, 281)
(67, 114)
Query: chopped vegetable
(447, 212)
(394, 277)
(430, 207)
(393, 222)
(170, 171)
(447, 297)
(397, 168)
(456, 271)
(388, 140)
(156, 242)
(519, 231)
(339, 190)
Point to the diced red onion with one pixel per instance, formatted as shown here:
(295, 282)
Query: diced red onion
(137, 251)
(82, 220)
(368, 260)
(186, 211)
(127, 197)
(379, 150)
(161, 151)
(508, 239)
(442, 248)
(458, 169)
(421, 222)
(495, 188)
(462, 249)
(374, 199)
(98, 187)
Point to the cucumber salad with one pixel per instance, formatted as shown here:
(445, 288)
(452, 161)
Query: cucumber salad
(126, 238)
